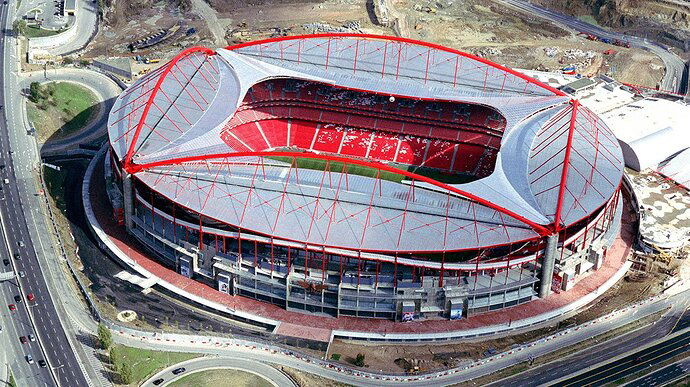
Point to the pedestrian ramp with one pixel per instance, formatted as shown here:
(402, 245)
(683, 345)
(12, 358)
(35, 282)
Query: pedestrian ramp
(143, 282)
(6, 275)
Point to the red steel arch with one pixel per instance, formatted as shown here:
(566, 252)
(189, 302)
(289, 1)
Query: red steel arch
(128, 156)
(522, 76)
(540, 229)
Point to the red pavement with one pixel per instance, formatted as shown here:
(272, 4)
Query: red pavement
(319, 328)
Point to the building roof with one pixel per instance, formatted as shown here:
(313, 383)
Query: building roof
(557, 161)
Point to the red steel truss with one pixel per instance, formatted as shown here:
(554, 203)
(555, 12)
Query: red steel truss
(224, 159)
(358, 41)
(167, 69)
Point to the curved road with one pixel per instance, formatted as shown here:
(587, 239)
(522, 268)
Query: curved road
(105, 89)
(267, 372)
(673, 63)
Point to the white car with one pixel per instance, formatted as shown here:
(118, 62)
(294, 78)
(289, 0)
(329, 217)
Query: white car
(29, 359)
(7, 181)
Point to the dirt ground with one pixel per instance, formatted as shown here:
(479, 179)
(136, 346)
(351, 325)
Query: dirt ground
(482, 27)
(397, 358)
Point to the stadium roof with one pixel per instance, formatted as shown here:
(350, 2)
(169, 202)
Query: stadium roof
(557, 162)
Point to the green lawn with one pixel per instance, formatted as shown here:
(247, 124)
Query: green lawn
(589, 19)
(361, 170)
(63, 109)
(37, 32)
(214, 378)
(145, 362)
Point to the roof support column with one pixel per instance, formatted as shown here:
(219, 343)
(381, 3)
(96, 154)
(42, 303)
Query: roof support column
(128, 199)
(547, 265)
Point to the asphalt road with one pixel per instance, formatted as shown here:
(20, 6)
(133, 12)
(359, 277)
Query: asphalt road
(596, 354)
(631, 364)
(664, 376)
(267, 372)
(49, 331)
(674, 64)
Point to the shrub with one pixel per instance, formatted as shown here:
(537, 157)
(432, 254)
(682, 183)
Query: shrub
(359, 361)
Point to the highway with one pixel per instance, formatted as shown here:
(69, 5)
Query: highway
(48, 328)
(674, 64)
(664, 376)
(600, 353)
(631, 364)
(267, 372)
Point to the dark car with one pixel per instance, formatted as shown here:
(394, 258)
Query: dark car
(23, 339)
(178, 371)
(157, 381)
(17, 299)
(42, 363)
(6, 262)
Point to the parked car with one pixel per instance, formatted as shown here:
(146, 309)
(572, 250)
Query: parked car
(12, 307)
(17, 299)
(6, 262)
(32, 337)
(23, 339)
(30, 297)
(42, 363)
(22, 274)
(29, 359)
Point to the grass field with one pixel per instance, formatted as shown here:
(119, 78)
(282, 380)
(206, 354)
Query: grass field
(214, 378)
(145, 362)
(63, 109)
(361, 170)
(37, 32)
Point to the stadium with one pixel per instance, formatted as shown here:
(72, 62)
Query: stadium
(367, 176)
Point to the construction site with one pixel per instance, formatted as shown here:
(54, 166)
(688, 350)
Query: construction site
(492, 30)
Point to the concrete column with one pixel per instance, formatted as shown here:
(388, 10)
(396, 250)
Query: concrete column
(547, 265)
(127, 199)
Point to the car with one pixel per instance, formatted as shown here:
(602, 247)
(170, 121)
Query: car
(22, 274)
(158, 381)
(30, 297)
(20, 243)
(32, 338)
(17, 256)
(12, 307)
(178, 371)
(42, 363)
(7, 181)
(29, 359)
(23, 339)
(6, 262)
(0, 329)
(17, 299)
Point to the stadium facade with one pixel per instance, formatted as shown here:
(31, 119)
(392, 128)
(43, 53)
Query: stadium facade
(367, 176)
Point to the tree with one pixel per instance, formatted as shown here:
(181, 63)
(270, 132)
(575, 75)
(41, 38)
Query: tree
(105, 338)
(34, 92)
(126, 374)
(359, 361)
(19, 27)
(335, 357)
(114, 356)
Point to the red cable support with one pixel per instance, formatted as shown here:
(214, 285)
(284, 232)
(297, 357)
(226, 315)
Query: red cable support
(152, 96)
(566, 165)
(522, 76)
(133, 168)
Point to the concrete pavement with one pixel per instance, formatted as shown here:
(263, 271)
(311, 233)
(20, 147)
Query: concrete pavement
(265, 371)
